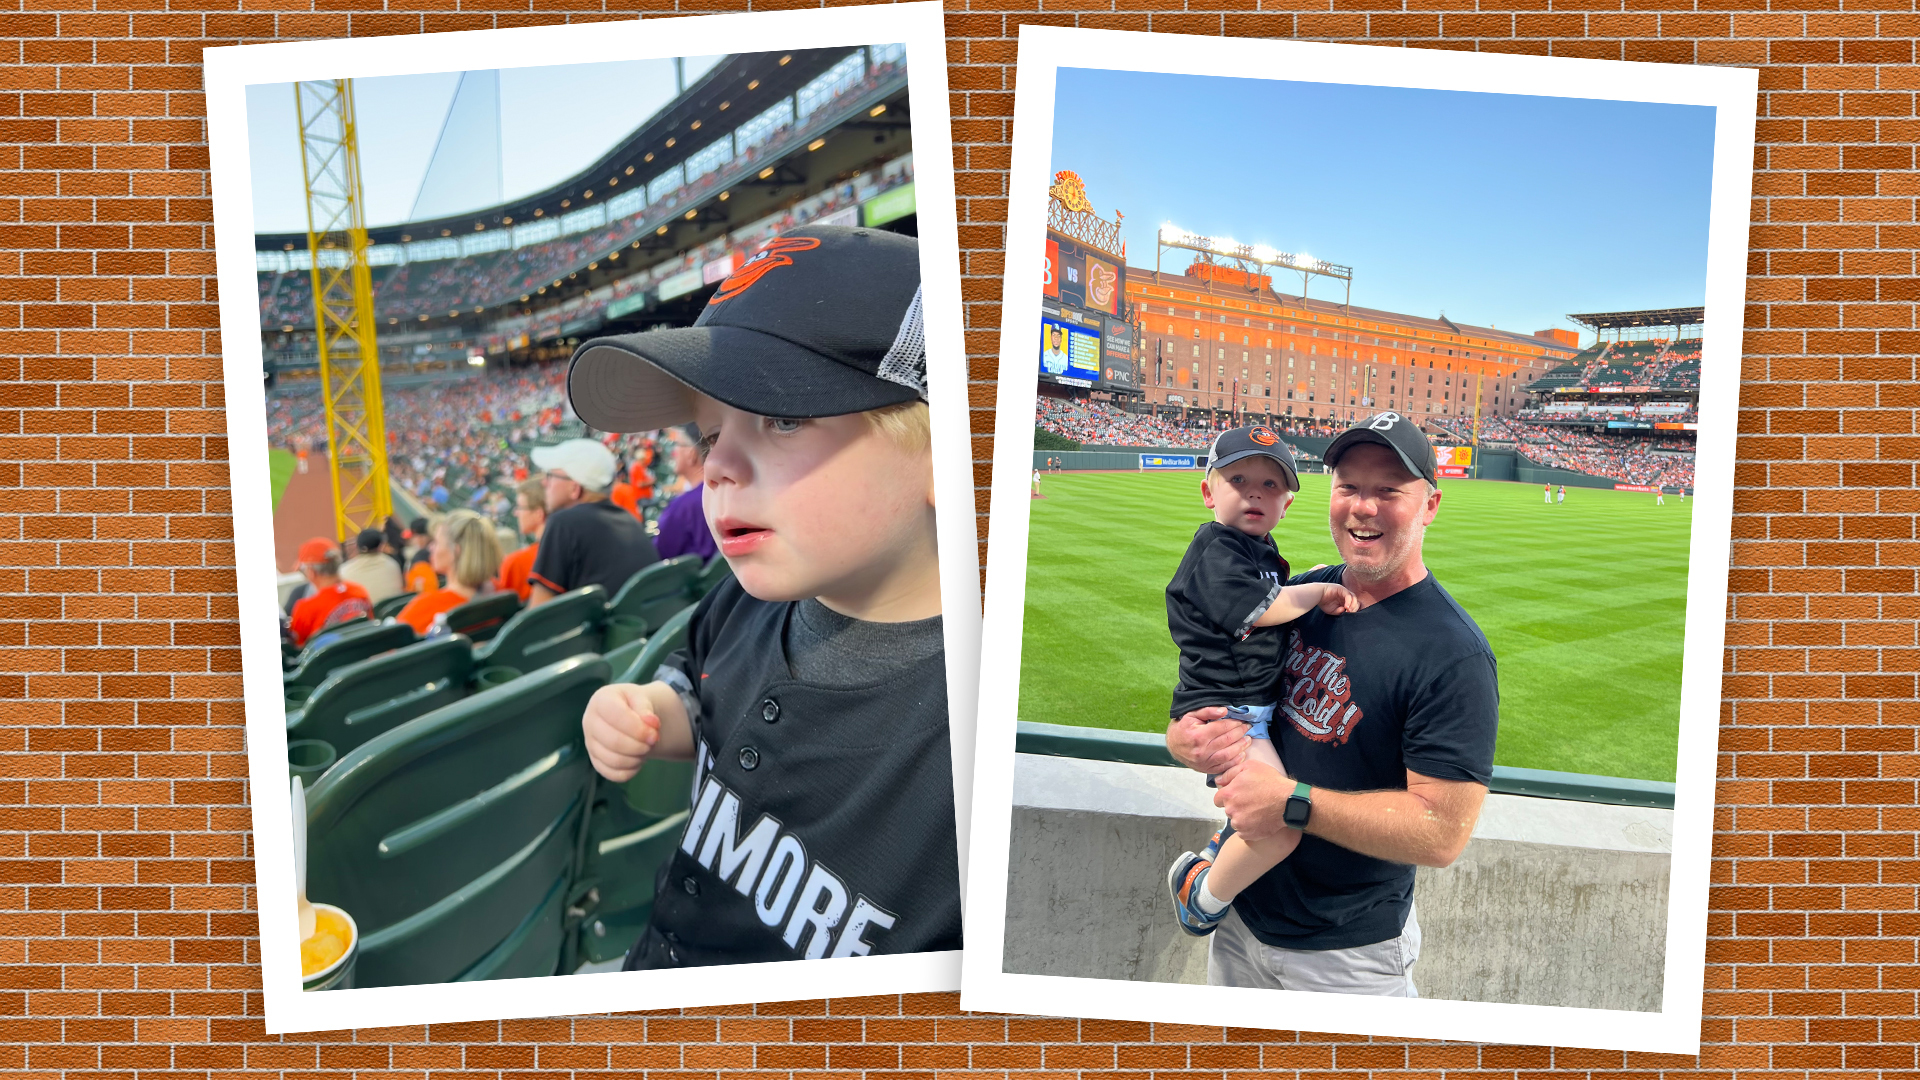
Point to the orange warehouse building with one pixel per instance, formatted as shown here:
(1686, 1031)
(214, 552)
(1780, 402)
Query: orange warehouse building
(1216, 339)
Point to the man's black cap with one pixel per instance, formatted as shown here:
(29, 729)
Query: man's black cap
(1245, 442)
(369, 540)
(822, 321)
(1392, 430)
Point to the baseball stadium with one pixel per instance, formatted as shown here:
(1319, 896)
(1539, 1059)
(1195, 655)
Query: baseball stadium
(453, 828)
(1564, 463)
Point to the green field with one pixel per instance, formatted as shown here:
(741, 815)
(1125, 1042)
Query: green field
(1584, 604)
(280, 466)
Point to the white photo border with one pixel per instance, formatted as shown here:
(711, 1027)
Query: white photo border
(228, 71)
(1731, 92)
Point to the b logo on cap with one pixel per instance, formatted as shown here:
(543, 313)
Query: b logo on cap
(765, 261)
(1384, 421)
(1263, 437)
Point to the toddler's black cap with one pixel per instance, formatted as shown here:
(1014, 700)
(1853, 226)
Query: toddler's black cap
(822, 321)
(1396, 432)
(1235, 444)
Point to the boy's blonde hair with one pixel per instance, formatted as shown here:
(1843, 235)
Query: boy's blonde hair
(477, 552)
(907, 424)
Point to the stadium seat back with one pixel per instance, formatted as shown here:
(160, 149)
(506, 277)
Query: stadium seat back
(672, 635)
(454, 839)
(658, 591)
(567, 625)
(365, 699)
(622, 658)
(482, 618)
(336, 649)
(634, 830)
(388, 608)
(716, 571)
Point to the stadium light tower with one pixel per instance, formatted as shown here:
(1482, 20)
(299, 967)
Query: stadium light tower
(343, 306)
(1250, 257)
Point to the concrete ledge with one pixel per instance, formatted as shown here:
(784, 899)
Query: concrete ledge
(1553, 902)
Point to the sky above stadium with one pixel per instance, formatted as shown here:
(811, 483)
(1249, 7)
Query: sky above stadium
(553, 122)
(1497, 209)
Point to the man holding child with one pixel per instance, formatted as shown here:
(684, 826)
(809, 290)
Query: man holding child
(1384, 720)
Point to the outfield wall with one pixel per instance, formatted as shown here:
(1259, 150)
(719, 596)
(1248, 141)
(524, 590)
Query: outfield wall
(1494, 464)
(1554, 902)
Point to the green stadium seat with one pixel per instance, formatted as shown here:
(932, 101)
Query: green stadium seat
(337, 648)
(658, 591)
(365, 699)
(567, 625)
(454, 839)
(481, 618)
(621, 658)
(671, 636)
(388, 608)
(628, 840)
(716, 571)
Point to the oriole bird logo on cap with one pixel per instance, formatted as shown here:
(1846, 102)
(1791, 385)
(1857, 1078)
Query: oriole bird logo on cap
(764, 261)
(1263, 436)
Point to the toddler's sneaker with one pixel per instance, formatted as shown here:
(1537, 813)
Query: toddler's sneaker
(1183, 884)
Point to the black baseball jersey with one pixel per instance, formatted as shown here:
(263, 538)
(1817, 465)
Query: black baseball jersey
(1226, 580)
(822, 819)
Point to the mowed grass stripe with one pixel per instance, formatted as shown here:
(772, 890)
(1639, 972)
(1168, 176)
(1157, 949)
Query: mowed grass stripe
(1584, 604)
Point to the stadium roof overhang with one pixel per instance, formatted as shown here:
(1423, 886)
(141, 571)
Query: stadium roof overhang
(734, 90)
(1617, 320)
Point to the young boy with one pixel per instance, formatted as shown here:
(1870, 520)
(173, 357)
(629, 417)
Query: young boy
(1230, 587)
(811, 695)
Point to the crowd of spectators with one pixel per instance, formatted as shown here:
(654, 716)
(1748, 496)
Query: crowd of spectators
(1101, 424)
(1665, 460)
(440, 287)
(1689, 415)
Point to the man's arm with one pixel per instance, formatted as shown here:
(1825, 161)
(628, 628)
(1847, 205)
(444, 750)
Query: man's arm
(1428, 824)
(1205, 742)
(540, 594)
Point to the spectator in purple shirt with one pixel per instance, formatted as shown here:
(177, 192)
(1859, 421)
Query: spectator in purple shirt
(683, 524)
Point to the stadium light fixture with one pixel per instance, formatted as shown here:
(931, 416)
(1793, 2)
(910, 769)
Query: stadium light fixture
(593, 266)
(629, 170)
(816, 144)
(670, 142)
(446, 232)
(423, 318)
(725, 195)
(691, 214)
(877, 109)
(649, 156)
(538, 212)
(506, 221)
(613, 181)
(764, 173)
(695, 126)
(661, 231)
(754, 85)
(784, 59)
(725, 105)
(564, 203)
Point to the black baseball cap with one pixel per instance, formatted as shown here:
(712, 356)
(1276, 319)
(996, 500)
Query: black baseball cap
(822, 321)
(1259, 440)
(1396, 432)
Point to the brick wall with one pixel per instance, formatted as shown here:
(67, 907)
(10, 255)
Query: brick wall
(128, 938)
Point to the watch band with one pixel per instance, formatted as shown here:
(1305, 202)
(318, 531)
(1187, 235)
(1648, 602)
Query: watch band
(1302, 794)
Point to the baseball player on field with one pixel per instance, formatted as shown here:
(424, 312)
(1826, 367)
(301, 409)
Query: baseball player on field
(811, 696)
(1223, 607)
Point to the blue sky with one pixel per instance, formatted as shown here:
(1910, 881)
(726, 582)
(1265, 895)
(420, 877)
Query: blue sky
(1496, 208)
(554, 121)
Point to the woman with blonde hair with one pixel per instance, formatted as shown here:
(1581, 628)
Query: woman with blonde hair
(466, 553)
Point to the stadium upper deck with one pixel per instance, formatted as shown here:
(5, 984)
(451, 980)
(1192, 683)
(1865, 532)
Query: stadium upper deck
(762, 142)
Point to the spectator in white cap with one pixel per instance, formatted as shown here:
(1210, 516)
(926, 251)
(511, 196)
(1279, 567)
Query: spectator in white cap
(588, 540)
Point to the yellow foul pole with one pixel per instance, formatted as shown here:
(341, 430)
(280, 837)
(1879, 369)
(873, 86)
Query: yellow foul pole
(343, 306)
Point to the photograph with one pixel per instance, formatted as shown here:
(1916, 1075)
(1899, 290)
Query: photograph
(607, 558)
(1341, 642)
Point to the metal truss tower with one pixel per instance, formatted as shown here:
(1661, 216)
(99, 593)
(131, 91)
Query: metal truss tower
(343, 306)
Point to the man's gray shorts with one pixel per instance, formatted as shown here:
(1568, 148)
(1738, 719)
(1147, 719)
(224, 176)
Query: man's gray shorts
(1385, 969)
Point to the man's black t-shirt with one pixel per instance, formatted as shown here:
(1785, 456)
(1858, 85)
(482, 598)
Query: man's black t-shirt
(592, 543)
(1408, 683)
(1226, 580)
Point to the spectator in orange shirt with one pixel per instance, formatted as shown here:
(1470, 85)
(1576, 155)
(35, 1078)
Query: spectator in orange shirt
(332, 601)
(530, 511)
(465, 551)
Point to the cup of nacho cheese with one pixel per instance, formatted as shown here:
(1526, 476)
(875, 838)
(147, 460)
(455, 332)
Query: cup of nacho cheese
(326, 958)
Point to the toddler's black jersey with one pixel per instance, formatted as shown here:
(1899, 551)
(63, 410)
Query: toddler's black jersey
(822, 819)
(1226, 580)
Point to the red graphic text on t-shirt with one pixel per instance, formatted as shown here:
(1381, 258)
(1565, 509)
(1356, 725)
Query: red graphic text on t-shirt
(1319, 695)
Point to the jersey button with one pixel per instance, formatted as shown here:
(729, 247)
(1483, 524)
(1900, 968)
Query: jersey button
(749, 758)
(692, 886)
(770, 711)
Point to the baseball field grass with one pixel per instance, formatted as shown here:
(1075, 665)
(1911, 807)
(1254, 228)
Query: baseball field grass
(280, 466)
(1584, 604)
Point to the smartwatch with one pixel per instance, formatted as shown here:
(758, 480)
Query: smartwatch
(1299, 806)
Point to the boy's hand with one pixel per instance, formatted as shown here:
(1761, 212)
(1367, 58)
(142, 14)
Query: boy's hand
(620, 728)
(1254, 795)
(1338, 600)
